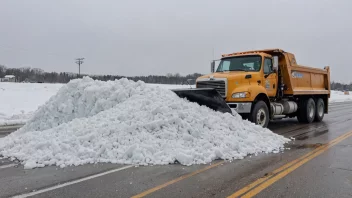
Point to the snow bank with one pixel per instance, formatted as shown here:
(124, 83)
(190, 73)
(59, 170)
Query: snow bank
(130, 122)
(18, 101)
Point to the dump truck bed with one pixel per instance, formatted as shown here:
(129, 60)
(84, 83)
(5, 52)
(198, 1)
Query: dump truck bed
(303, 80)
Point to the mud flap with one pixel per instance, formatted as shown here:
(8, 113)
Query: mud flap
(204, 96)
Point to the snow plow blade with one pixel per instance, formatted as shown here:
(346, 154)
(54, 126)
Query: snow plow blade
(204, 96)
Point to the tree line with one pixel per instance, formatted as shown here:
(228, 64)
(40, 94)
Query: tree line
(340, 86)
(36, 75)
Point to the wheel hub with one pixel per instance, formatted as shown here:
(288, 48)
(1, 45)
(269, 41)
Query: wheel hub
(311, 111)
(261, 117)
(321, 109)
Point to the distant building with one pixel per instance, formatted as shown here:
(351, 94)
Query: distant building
(8, 78)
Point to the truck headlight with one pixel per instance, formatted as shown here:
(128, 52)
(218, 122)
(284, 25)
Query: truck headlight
(240, 95)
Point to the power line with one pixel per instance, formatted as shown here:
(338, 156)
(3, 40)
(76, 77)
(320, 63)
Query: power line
(79, 61)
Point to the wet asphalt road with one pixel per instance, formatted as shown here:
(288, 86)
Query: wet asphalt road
(5, 130)
(327, 175)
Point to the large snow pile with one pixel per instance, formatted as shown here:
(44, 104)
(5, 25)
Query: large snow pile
(18, 101)
(130, 122)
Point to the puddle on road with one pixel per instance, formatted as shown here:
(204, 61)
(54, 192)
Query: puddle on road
(304, 146)
(311, 134)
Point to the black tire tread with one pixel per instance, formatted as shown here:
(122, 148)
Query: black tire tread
(302, 115)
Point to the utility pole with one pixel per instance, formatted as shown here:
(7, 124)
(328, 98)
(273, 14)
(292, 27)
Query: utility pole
(79, 61)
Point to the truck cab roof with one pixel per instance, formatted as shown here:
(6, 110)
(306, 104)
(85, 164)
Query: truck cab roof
(264, 51)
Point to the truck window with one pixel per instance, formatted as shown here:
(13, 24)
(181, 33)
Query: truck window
(267, 65)
(240, 63)
(226, 65)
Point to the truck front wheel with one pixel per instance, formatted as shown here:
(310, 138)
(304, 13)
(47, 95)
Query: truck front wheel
(307, 110)
(260, 114)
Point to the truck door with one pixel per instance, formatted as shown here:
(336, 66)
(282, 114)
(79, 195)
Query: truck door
(270, 82)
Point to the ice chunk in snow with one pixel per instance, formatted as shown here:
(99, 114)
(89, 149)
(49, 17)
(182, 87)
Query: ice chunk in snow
(128, 122)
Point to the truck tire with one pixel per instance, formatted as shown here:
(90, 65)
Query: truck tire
(319, 110)
(306, 112)
(260, 114)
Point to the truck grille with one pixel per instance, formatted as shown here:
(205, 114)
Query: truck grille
(218, 85)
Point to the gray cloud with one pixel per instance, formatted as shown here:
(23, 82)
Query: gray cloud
(158, 37)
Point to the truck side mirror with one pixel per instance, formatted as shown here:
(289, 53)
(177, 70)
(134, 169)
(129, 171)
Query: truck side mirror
(275, 63)
(212, 66)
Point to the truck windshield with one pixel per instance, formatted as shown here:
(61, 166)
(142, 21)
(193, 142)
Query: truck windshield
(240, 63)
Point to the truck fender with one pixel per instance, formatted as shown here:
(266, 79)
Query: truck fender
(262, 97)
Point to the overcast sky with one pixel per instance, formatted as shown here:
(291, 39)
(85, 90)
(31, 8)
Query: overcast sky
(159, 37)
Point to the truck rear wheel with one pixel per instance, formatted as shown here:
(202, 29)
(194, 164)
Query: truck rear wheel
(320, 108)
(260, 114)
(307, 110)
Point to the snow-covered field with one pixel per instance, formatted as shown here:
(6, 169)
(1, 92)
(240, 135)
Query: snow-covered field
(339, 96)
(130, 122)
(18, 101)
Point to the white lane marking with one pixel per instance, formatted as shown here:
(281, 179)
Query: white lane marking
(7, 166)
(71, 182)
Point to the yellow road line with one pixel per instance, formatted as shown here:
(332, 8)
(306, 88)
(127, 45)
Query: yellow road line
(262, 179)
(262, 183)
(147, 192)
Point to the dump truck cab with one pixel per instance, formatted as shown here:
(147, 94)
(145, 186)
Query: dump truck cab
(241, 77)
(263, 84)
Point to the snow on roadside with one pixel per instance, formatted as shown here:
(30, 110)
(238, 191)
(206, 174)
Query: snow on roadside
(130, 122)
(339, 96)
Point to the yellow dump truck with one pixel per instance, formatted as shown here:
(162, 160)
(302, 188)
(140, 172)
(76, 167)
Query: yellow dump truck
(262, 85)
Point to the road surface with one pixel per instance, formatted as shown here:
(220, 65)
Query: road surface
(318, 164)
(5, 130)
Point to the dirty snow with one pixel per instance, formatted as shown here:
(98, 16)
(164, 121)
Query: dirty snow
(130, 122)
